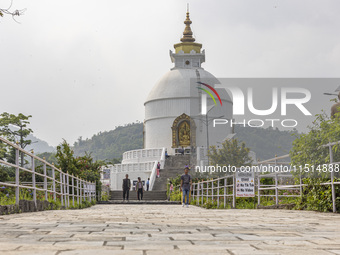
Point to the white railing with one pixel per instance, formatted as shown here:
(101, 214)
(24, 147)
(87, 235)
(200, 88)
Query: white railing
(133, 167)
(132, 164)
(153, 175)
(142, 155)
(215, 189)
(56, 182)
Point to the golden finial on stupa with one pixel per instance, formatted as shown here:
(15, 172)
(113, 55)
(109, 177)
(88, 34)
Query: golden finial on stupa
(187, 34)
(187, 43)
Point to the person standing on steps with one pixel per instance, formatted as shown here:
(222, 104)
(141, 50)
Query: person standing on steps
(186, 182)
(171, 189)
(126, 187)
(147, 184)
(139, 189)
(158, 169)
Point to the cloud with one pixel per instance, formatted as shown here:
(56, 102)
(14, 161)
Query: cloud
(81, 67)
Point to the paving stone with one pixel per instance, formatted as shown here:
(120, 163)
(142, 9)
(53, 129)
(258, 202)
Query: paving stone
(165, 229)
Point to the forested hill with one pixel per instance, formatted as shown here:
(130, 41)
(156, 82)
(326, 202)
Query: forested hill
(111, 144)
(266, 142)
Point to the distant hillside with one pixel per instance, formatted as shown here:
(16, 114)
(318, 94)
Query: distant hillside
(111, 144)
(38, 145)
(266, 143)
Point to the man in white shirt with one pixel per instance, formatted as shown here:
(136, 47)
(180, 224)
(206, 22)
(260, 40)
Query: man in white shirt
(139, 189)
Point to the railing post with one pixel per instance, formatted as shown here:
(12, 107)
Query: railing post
(61, 188)
(89, 188)
(218, 192)
(224, 192)
(202, 186)
(45, 179)
(207, 192)
(72, 178)
(94, 190)
(276, 185)
(53, 183)
(17, 174)
(300, 184)
(89, 191)
(212, 190)
(64, 189)
(33, 183)
(82, 190)
(332, 178)
(276, 191)
(78, 190)
(68, 189)
(258, 189)
(234, 191)
(198, 193)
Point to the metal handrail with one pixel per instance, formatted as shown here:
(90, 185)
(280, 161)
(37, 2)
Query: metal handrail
(79, 190)
(206, 188)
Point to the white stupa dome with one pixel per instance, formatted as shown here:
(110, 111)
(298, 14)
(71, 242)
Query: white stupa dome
(176, 83)
(175, 98)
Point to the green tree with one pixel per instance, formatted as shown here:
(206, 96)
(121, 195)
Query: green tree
(84, 167)
(66, 160)
(114, 161)
(111, 144)
(14, 128)
(308, 152)
(231, 153)
(49, 156)
(3, 151)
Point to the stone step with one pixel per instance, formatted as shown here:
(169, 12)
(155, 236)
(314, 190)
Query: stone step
(148, 202)
(178, 161)
(173, 167)
(147, 195)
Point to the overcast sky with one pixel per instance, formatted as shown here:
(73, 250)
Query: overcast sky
(80, 67)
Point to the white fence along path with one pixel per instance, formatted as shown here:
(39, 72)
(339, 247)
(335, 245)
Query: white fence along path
(224, 187)
(55, 182)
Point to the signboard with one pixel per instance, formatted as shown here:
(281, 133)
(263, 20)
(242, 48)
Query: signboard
(106, 173)
(245, 184)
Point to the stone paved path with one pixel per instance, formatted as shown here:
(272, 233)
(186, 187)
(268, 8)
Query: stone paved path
(169, 229)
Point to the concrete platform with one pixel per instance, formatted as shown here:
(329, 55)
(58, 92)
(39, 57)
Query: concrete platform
(169, 229)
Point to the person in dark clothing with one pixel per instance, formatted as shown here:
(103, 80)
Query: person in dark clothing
(186, 182)
(139, 189)
(126, 187)
(166, 155)
(158, 169)
(181, 151)
(147, 184)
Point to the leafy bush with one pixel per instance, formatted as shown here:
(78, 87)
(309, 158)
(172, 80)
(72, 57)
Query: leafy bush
(308, 151)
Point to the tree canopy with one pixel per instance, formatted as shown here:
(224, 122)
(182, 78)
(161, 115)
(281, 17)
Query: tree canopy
(15, 129)
(309, 153)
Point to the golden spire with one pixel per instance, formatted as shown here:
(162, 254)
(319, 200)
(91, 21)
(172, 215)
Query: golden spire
(187, 34)
(187, 44)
